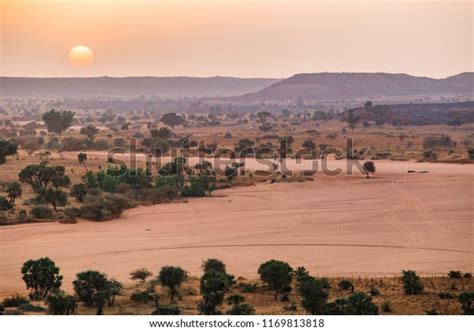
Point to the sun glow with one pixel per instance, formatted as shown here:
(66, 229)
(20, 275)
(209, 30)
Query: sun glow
(81, 56)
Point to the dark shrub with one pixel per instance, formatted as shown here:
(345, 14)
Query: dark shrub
(455, 274)
(374, 291)
(386, 307)
(411, 282)
(42, 212)
(61, 304)
(235, 299)
(248, 287)
(105, 207)
(139, 296)
(5, 204)
(31, 308)
(167, 310)
(15, 301)
(467, 302)
(446, 295)
(72, 212)
(345, 285)
(241, 309)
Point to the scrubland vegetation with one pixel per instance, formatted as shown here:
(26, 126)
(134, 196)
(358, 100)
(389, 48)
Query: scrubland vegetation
(281, 289)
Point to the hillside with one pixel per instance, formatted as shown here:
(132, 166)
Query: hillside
(339, 86)
(130, 86)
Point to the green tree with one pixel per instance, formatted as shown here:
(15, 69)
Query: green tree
(41, 276)
(78, 191)
(91, 287)
(171, 119)
(39, 176)
(7, 148)
(369, 167)
(172, 278)
(241, 309)
(411, 282)
(314, 295)
(58, 121)
(352, 119)
(14, 192)
(213, 286)
(213, 264)
(55, 197)
(140, 274)
(277, 274)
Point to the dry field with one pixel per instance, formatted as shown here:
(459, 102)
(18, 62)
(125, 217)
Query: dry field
(342, 226)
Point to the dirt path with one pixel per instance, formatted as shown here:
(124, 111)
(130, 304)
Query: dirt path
(332, 226)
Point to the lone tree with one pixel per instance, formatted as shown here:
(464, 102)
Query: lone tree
(277, 275)
(41, 276)
(172, 278)
(40, 176)
(352, 119)
(213, 286)
(7, 148)
(140, 274)
(92, 287)
(411, 282)
(171, 119)
(60, 303)
(82, 158)
(14, 192)
(314, 295)
(369, 167)
(58, 121)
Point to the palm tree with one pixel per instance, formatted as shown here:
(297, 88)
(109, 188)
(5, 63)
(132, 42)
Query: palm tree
(82, 158)
(14, 191)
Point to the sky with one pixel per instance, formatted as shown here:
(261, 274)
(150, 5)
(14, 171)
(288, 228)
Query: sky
(242, 38)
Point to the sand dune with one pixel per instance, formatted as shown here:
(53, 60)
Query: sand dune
(332, 226)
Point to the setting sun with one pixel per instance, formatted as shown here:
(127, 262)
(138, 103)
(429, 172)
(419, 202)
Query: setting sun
(81, 56)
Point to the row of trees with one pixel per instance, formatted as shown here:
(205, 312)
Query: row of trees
(95, 289)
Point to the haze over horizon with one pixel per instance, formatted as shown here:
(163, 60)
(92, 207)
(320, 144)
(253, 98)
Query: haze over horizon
(236, 38)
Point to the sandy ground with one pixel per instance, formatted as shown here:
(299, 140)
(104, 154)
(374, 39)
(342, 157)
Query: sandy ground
(333, 226)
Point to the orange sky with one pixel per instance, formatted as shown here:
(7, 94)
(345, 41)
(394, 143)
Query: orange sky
(259, 38)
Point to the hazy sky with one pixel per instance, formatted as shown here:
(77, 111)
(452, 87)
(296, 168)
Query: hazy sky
(259, 38)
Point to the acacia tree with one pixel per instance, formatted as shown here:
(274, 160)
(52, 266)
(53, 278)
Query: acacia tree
(171, 119)
(14, 192)
(92, 288)
(172, 278)
(277, 274)
(41, 276)
(369, 167)
(58, 121)
(140, 274)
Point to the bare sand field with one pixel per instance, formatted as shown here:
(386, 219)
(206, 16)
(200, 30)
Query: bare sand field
(339, 226)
